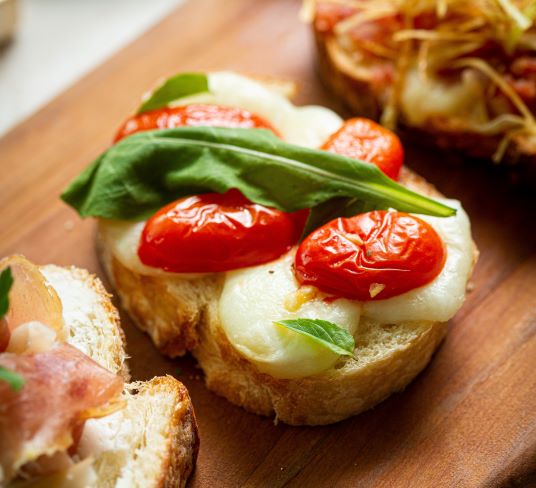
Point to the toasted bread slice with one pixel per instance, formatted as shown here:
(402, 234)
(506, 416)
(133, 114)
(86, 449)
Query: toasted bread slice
(153, 440)
(363, 96)
(182, 315)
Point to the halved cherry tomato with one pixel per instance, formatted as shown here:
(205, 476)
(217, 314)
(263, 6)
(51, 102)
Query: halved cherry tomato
(366, 140)
(371, 256)
(191, 115)
(216, 232)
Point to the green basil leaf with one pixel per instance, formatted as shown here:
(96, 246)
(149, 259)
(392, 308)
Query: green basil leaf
(178, 86)
(147, 170)
(14, 380)
(328, 334)
(6, 281)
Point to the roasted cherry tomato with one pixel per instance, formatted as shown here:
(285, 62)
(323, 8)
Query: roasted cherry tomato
(366, 140)
(371, 256)
(217, 232)
(211, 115)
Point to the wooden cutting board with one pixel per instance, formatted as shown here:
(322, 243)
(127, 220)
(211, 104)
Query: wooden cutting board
(469, 420)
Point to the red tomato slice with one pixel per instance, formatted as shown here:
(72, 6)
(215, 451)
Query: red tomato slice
(371, 256)
(192, 115)
(366, 140)
(216, 232)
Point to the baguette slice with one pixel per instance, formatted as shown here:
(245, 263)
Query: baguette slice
(182, 315)
(153, 440)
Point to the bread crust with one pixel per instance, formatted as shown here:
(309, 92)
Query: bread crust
(363, 98)
(182, 442)
(179, 454)
(172, 325)
(345, 390)
(115, 339)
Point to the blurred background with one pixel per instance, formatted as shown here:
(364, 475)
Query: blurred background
(46, 45)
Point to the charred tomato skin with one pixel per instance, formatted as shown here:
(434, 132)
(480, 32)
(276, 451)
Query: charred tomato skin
(215, 232)
(368, 141)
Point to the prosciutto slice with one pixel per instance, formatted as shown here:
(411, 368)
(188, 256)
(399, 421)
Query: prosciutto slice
(63, 387)
(31, 298)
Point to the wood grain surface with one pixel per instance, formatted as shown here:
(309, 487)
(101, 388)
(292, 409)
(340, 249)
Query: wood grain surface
(469, 420)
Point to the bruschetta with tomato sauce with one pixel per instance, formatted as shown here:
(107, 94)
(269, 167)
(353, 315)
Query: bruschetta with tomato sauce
(68, 417)
(460, 75)
(291, 252)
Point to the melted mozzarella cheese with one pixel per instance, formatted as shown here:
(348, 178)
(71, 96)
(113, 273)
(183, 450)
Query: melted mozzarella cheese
(308, 126)
(253, 298)
(422, 100)
(123, 240)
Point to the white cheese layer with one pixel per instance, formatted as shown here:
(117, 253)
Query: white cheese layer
(253, 298)
(307, 126)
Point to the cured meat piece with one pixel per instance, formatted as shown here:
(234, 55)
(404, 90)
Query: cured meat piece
(63, 388)
(31, 298)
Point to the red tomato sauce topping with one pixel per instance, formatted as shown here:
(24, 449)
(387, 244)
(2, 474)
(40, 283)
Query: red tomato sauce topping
(371, 256)
(192, 115)
(366, 140)
(216, 232)
(328, 15)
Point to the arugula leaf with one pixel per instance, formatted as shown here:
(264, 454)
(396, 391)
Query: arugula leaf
(336, 207)
(178, 86)
(15, 380)
(147, 170)
(328, 334)
(6, 281)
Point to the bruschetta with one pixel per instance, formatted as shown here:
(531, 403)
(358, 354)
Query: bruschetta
(460, 75)
(68, 417)
(309, 272)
